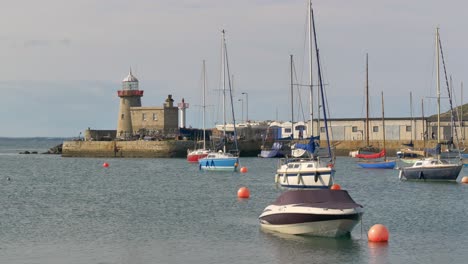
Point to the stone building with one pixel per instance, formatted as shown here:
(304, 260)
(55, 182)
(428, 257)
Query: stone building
(137, 121)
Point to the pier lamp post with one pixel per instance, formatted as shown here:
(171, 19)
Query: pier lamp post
(242, 107)
(247, 105)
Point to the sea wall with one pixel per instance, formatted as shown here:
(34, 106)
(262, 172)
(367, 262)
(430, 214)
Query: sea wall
(127, 149)
(178, 148)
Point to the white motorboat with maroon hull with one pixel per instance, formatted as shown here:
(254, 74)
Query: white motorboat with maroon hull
(324, 212)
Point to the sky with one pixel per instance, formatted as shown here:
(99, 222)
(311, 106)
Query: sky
(62, 61)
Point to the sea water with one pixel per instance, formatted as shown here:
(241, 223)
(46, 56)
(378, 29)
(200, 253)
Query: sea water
(74, 210)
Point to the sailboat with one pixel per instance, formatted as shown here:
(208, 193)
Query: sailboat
(196, 154)
(408, 154)
(221, 159)
(385, 164)
(307, 167)
(367, 152)
(435, 168)
(315, 212)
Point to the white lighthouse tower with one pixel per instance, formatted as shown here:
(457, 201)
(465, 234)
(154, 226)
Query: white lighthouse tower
(130, 96)
(182, 106)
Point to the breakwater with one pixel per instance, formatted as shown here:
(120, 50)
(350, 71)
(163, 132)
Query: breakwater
(178, 148)
(144, 149)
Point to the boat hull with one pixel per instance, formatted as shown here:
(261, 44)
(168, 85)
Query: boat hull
(378, 165)
(219, 164)
(332, 228)
(447, 172)
(195, 156)
(327, 223)
(317, 179)
(304, 174)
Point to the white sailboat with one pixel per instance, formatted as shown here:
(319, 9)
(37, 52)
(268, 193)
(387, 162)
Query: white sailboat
(222, 160)
(308, 167)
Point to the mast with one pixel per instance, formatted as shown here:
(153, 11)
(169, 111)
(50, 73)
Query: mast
(461, 114)
(204, 104)
(383, 127)
(367, 100)
(438, 85)
(325, 121)
(223, 79)
(309, 16)
(412, 120)
(292, 98)
(423, 124)
(230, 97)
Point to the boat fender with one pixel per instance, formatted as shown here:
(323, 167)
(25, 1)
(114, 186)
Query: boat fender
(299, 178)
(276, 177)
(285, 177)
(199, 166)
(316, 176)
(421, 175)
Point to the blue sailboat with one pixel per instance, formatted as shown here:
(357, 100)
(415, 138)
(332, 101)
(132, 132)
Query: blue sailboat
(222, 160)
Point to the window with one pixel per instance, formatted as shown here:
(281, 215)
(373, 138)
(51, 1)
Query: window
(287, 130)
(375, 129)
(354, 128)
(122, 116)
(408, 128)
(322, 129)
(155, 117)
(143, 116)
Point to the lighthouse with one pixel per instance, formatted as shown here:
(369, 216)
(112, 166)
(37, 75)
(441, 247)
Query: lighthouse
(182, 106)
(130, 96)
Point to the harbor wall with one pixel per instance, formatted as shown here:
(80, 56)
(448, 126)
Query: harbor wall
(178, 148)
(143, 148)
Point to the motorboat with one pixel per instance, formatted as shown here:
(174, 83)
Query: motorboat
(431, 169)
(330, 213)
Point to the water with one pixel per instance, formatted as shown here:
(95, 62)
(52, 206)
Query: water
(72, 210)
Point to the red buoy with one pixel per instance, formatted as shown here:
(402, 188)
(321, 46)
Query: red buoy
(105, 164)
(244, 170)
(335, 187)
(464, 179)
(243, 192)
(378, 233)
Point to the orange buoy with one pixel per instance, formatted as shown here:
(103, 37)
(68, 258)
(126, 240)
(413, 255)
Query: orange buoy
(105, 164)
(243, 192)
(464, 179)
(244, 170)
(378, 233)
(335, 187)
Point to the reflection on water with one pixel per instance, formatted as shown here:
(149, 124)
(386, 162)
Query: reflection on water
(319, 249)
(378, 252)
